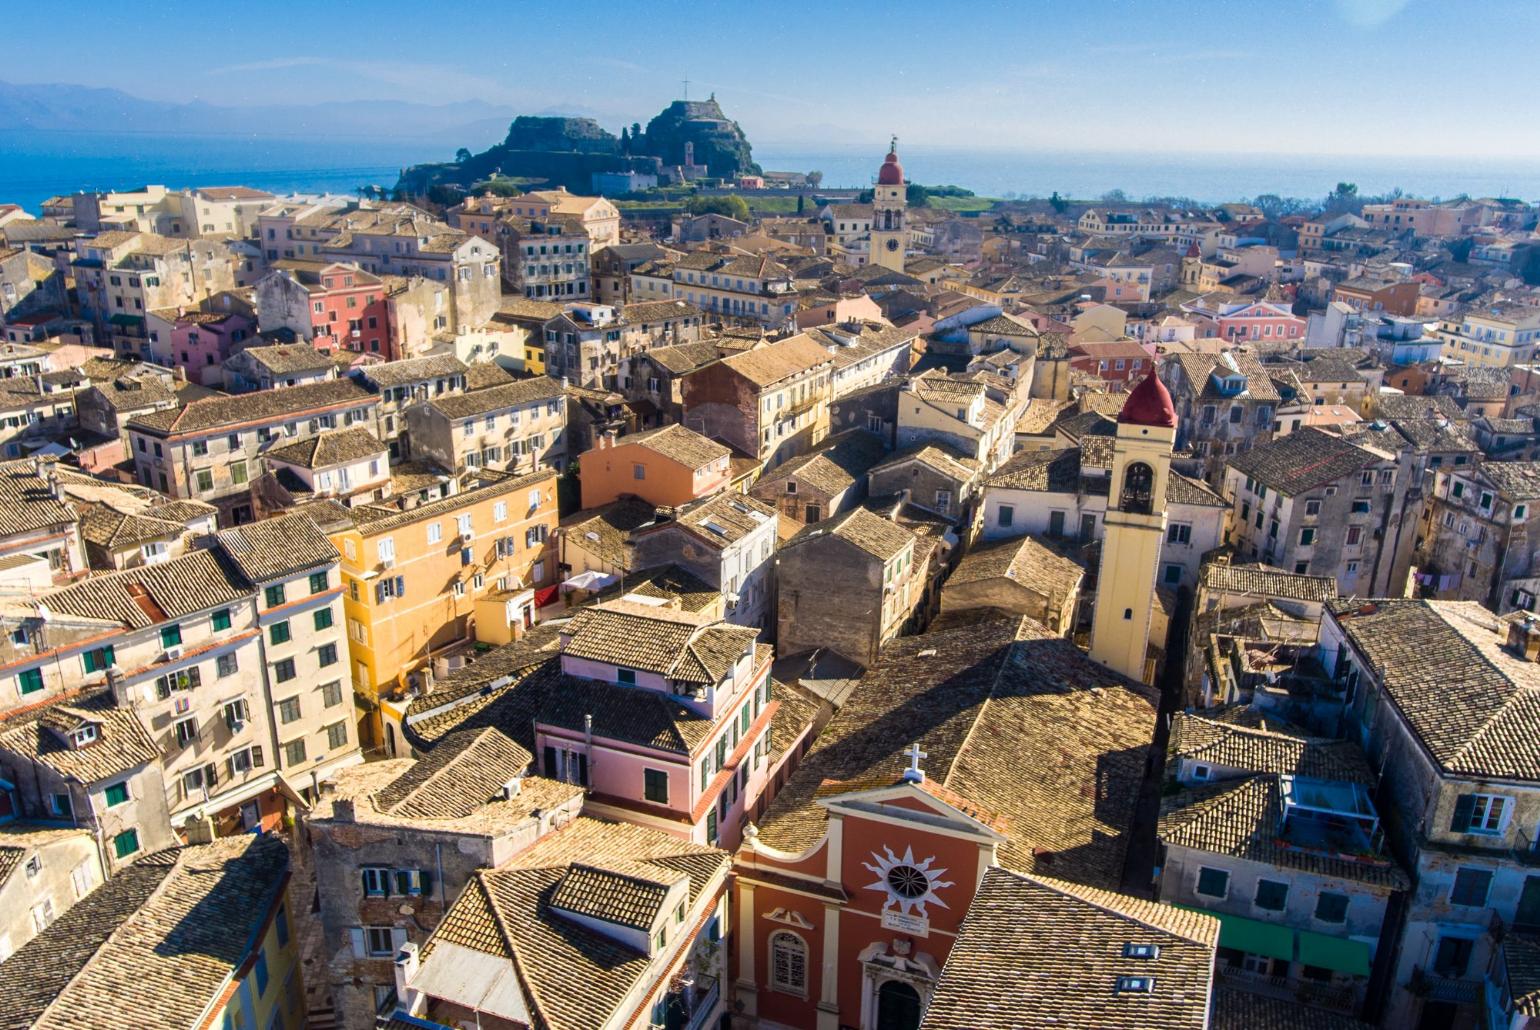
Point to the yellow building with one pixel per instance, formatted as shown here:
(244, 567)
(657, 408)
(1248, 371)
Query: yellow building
(1135, 529)
(890, 234)
(413, 575)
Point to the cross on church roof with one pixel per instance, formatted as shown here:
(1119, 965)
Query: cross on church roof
(914, 774)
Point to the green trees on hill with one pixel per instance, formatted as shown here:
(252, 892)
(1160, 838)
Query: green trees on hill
(730, 206)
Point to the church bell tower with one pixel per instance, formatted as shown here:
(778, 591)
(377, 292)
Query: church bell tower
(1135, 529)
(889, 236)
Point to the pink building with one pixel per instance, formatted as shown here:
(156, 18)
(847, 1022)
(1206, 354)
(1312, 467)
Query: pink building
(1261, 321)
(664, 716)
(198, 342)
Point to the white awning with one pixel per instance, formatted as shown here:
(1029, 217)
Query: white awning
(590, 580)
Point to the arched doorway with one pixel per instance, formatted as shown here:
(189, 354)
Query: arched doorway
(898, 1006)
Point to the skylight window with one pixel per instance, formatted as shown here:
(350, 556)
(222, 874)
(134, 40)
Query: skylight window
(1132, 950)
(1136, 985)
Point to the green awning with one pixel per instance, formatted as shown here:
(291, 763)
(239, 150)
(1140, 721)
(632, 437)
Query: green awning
(122, 319)
(1252, 935)
(1338, 954)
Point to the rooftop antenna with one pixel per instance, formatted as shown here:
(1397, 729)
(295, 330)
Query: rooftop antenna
(686, 84)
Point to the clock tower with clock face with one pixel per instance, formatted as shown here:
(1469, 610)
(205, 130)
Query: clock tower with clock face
(890, 236)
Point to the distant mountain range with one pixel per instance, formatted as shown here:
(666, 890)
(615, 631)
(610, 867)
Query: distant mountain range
(70, 108)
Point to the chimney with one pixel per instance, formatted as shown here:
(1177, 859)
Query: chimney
(406, 970)
(199, 828)
(342, 810)
(119, 689)
(1524, 636)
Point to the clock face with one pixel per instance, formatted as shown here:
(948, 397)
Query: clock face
(892, 244)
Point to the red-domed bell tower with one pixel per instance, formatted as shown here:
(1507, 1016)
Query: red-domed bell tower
(889, 236)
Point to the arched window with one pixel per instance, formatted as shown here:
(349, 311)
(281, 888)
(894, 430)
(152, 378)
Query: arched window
(788, 963)
(1138, 489)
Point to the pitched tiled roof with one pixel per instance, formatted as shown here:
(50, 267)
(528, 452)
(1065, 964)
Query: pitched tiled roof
(1024, 559)
(1197, 369)
(1471, 703)
(1521, 961)
(1052, 469)
(765, 366)
(411, 370)
(1255, 749)
(1181, 489)
(284, 358)
(1264, 580)
(628, 894)
(724, 518)
(1016, 721)
(1241, 818)
(1043, 953)
(938, 458)
(1303, 460)
(873, 534)
(334, 447)
(104, 527)
(1516, 480)
(1408, 406)
(677, 443)
(686, 357)
(1236, 1009)
(265, 405)
(163, 954)
(122, 743)
(679, 645)
(496, 398)
(459, 775)
(25, 501)
(572, 977)
(635, 715)
(277, 547)
(834, 466)
(143, 596)
(603, 531)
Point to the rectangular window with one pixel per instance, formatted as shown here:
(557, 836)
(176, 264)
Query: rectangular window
(274, 595)
(379, 941)
(125, 843)
(226, 665)
(29, 681)
(331, 694)
(288, 709)
(1272, 895)
(294, 752)
(1213, 883)
(221, 619)
(284, 671)
(323, 618)
(98, 659)
(326, 654)
(1479, 813)
(170, 636)
(278, 633)
(186, 732)
(1471, 887)
(337, 735)
(1006, 515)
(117, 794)
(626, 676)
(655, 786)
(1306, 536)
(1331, 907)
(318, 582)
(1179, 533)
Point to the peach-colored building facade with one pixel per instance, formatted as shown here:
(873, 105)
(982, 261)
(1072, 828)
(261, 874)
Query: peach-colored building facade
(669, 466)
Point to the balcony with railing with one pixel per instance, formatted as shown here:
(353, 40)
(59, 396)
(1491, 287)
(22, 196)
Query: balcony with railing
(691, 1002)
(1447, 989)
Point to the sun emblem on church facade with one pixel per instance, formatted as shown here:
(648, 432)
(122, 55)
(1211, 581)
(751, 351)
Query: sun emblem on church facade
(909, 884)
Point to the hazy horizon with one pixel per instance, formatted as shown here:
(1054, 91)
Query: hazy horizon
(1323, 78)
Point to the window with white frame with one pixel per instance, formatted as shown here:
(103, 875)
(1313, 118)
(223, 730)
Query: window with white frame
(788, 963)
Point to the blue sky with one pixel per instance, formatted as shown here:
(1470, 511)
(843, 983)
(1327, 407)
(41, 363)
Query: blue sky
(1410, 77)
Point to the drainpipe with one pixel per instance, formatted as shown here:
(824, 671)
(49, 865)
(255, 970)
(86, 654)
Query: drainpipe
(588, 746)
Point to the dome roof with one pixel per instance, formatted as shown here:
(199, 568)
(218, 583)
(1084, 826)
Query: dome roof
(891, 173)
(1149, 405)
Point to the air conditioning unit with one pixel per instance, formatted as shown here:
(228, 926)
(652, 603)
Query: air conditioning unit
(388, 563)
(467, 537)
(173, 654)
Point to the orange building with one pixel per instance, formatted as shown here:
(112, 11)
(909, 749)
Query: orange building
(670, 466)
